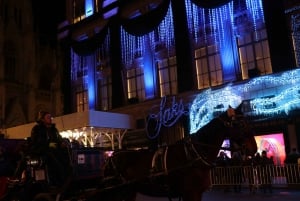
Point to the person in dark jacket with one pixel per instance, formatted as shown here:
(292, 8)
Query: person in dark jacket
(266, 170)
(44, 135)
(46, 141)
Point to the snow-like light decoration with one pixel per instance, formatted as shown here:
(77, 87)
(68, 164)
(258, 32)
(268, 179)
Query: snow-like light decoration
(269, 96)
(283, 102)
(207, 104)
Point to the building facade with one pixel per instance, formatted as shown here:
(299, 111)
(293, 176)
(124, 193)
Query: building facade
(30, 75)
(145, 58)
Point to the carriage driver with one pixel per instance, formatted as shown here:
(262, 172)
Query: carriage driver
(47, 142)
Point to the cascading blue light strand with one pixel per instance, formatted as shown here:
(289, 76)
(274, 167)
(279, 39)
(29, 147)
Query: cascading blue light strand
(139, 51)
(295, 34)
(166, 36)
(191, 20)
(203, 22)
(256, 10)
(128, 48)
(222, 28)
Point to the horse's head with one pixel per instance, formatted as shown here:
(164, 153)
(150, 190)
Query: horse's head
(240, 133)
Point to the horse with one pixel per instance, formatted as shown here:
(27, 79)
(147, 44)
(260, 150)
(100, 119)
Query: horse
(178, 170)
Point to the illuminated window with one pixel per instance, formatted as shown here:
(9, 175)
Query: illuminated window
(84, 8)
(105, 93)
(78, 10)
(103, 70)
(254, 53)
(82, 101)
(167, 72)
(135, 83)
(208, 67)
(79, 80)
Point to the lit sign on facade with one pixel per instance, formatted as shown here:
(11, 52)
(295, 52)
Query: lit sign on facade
(266, 96)
(166, 116)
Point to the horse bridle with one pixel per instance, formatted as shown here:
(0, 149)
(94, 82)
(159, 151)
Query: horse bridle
(227, 124)
(240, 122)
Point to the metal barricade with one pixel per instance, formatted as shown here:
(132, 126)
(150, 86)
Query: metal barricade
(256, 175)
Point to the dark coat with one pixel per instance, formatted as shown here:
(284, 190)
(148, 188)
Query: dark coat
(42, 136)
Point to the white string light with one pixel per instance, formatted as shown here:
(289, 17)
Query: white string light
(269, 95)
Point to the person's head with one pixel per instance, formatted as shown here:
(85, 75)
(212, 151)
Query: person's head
(264, 153)
(44, 117)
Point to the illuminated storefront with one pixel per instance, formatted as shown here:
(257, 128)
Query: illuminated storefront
(275, 96)
(209, 54)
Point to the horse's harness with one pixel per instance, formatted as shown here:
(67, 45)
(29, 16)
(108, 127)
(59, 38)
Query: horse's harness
(194, 156)
(159, 160)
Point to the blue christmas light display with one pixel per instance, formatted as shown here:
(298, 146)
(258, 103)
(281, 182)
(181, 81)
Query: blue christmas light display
(218, 24)
(209, 102)
(270, 95)
(138, 51)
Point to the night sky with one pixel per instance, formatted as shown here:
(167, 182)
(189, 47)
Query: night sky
(48, 14)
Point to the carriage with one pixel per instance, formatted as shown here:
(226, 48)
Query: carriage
(36, 182)
(177, 170)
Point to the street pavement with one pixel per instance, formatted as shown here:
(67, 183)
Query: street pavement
(276, 195)
(219, 195)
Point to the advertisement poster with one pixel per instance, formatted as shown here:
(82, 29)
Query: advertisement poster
(274, 145)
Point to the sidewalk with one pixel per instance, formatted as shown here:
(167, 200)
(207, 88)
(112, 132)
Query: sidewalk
(276, 195)
(220, 195)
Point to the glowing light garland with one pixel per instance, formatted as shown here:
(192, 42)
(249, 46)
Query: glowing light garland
(210, 102)
(270, 96)
(134, 46)
(218, 17)
(295, 23)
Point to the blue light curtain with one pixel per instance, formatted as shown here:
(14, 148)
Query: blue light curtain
(146, 23)
(89, 45)
(210, 3)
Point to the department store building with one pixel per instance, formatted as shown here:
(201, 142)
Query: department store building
(145, 58)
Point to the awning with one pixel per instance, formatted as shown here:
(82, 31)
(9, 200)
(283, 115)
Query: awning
(90, 128)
